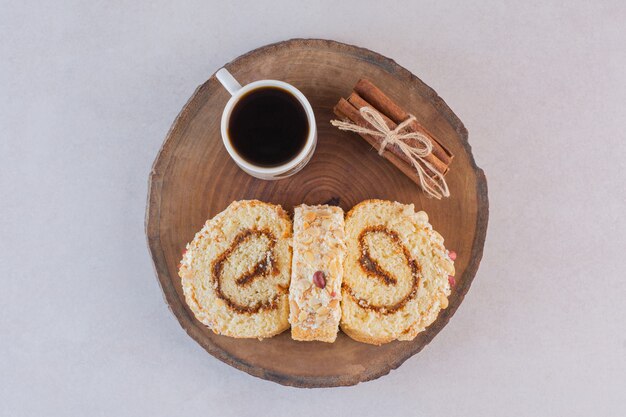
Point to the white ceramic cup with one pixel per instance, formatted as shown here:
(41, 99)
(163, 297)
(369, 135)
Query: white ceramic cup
(266, 173)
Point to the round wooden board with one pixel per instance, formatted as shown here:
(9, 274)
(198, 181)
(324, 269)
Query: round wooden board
(193, 179)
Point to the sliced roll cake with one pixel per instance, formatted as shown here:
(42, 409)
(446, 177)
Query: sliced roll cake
(236, 271)
(316, 273)
(395, 273)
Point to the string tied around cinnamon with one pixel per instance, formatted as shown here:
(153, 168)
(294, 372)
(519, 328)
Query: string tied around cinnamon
(434, 185)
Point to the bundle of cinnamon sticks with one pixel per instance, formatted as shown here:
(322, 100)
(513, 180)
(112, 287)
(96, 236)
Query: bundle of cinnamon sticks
(366, 94)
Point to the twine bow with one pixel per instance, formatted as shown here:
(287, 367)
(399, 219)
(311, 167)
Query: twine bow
(433, 185)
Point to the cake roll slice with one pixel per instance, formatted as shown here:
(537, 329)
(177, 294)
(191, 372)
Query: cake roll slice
(316, 272)
(235, 273)
(395, 273)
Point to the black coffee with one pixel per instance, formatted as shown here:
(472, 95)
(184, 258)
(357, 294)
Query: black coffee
(268, 126)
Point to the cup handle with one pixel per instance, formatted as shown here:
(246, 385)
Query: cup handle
(228, 81)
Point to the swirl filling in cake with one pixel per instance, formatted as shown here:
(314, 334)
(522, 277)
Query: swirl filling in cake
(236, 271)
(395, 273)
(375, 244)
(237, 290)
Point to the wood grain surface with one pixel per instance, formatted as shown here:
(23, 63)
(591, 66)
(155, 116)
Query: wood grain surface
(193, 179)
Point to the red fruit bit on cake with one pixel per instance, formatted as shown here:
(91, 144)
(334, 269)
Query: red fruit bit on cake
(452, 255)
(319, 279)
(451, 280)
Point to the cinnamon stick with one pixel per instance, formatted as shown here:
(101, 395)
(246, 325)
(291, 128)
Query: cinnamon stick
(346, 111)
(384, 104)
(357, 101)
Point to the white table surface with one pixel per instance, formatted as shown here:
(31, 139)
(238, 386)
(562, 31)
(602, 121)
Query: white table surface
(88, 91)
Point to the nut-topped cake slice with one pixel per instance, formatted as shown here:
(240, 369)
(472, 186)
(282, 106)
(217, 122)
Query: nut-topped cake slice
(316, 272)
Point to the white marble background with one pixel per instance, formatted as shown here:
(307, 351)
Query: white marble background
(88, 91)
